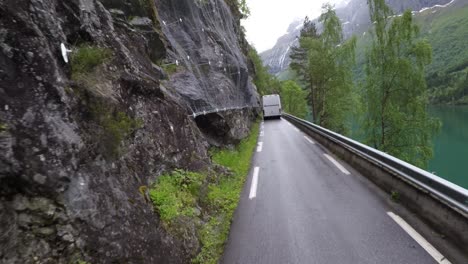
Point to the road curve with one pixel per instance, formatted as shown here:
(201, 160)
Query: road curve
(310, 208)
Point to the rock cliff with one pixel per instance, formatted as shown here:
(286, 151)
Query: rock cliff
(80, 141)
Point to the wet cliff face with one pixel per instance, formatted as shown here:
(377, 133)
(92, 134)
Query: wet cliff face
(79, 142)
(205, 42)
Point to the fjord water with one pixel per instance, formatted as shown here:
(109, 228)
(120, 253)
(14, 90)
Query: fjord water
(450, 160)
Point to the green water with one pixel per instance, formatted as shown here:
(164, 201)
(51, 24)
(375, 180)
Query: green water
(450, 160)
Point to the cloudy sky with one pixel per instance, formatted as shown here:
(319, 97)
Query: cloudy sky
(269, 19)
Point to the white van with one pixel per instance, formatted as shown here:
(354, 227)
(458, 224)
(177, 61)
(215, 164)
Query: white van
(271, 106)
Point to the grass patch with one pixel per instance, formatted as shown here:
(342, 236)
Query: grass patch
(86, 58)
(181, 194)
(176, 194)
(224, 196)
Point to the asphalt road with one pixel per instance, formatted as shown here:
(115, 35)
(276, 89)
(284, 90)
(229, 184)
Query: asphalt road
(305, 209)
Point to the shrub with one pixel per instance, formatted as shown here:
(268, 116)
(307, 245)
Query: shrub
(86, 58)
(179, 194)
(176, 194)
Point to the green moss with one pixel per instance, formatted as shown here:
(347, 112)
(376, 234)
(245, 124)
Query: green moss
(86, 58)
(213, 236)
(170, 68)
(150, 5)
(3, 127)
(143, 189)
(69, 90)
(395, 196)
(180, 193)
(116, 125)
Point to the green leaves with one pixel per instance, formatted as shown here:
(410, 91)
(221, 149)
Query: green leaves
(323, 63)
(395, 89)
(243, 8)
(265, 82)
(293, 99)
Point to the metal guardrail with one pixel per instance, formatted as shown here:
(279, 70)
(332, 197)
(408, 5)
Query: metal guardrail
(442, 189)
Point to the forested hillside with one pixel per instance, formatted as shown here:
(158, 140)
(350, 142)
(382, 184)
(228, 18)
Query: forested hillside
(443, 24)
(446, 29)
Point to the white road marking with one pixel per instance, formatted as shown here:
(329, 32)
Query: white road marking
(418, 238)
(338, 165)
(295, 128)
(259, 146)
(261, 133)
(253, 187)
(310, 140)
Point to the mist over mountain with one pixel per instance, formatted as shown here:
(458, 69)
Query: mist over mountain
(355, 20)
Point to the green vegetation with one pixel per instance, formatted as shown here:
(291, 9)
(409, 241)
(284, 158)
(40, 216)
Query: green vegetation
(3, 127)
(286, 75)
(323, 63)
(205, 199)
(115, 125)
(176, 194)
(395, 93)
(240, 6)
(447, 31)
(170, 68)
(265, 82)
(150, 6)
(86, 58)
(395, 196)
(223, 196)
(293, 99)
(391, 88)
(244, 9)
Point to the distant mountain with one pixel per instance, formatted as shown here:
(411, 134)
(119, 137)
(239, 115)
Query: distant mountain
(355, 18)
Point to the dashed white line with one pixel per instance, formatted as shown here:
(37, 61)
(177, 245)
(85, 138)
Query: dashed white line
(253, 186)
(338, 165)
(310, 140)
(418, 238)
(295, 128)
(259, 146)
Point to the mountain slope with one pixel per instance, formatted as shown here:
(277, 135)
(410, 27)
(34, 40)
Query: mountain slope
(446, 29)
(355, 20)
